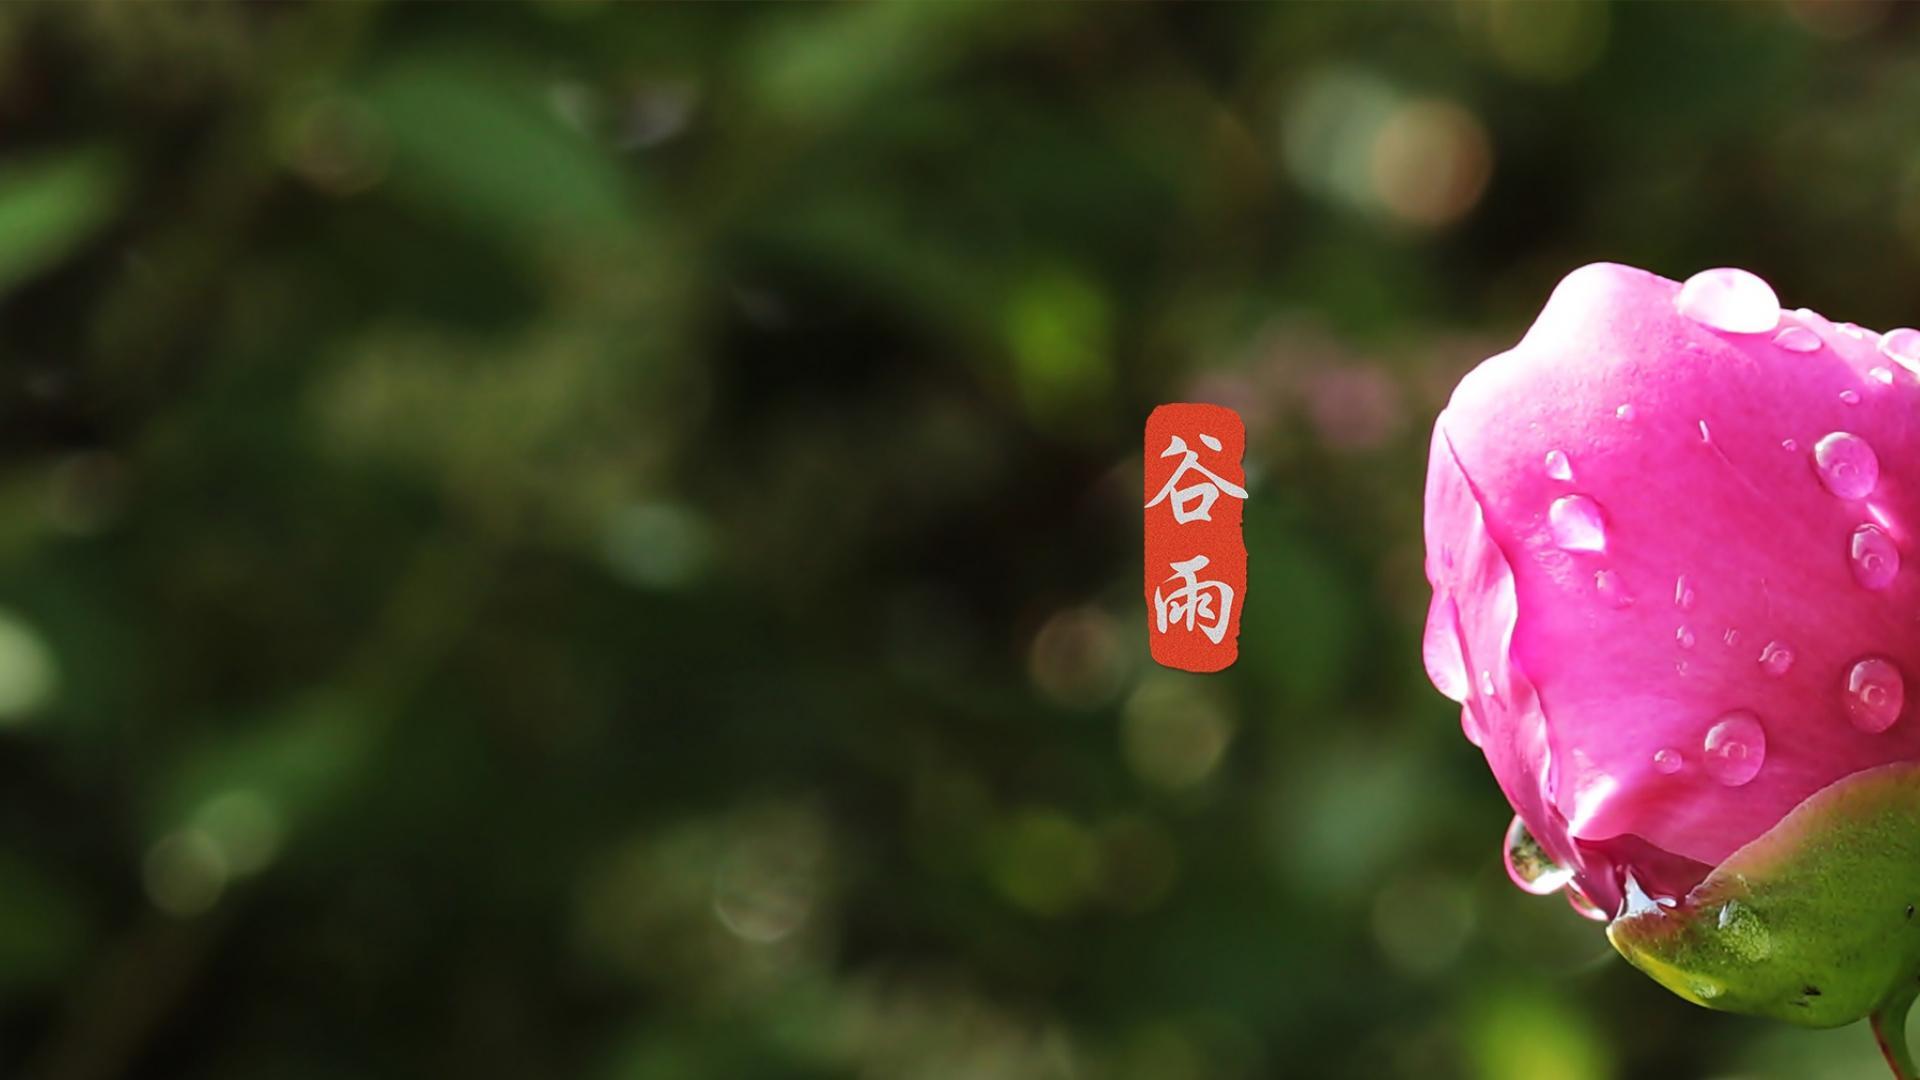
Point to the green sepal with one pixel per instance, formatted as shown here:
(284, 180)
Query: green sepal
(1814, 922)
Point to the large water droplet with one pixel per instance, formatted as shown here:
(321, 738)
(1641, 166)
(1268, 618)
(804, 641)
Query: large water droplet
(1735, 748)
(1729, 299)
(1847, 465)
(1529, 865)
(1902, 346)
(1667, 761)
(1683, 593)
(1776, 658)
(1558, 466)
(1875, 559)
(1440, 649)
(1577, 523)
(1797, 339)
(1875, 694)
(1743, 932)
(1881, 375)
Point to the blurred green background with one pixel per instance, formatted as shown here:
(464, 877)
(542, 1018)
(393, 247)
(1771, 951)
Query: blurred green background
(581, 540)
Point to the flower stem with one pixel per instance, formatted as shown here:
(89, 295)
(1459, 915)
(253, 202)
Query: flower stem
(1890, 1031)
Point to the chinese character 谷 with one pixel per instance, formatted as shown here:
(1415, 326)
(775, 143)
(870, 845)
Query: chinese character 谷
(1194, 503)
(1192, 603)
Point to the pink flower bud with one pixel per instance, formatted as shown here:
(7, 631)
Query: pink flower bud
(1670, 540)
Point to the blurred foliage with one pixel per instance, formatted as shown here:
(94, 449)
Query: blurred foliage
(595, 540)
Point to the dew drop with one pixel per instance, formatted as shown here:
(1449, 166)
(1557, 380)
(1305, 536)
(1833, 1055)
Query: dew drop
(1611, 589)
(1486, 683)
(1624, 412)
(1667, 761)
(1683, 593)
(1789, 444)
(1776, 659)
(1731, 637)
(1797, 339)
(1848, 467)
(1440, 649)
(1902, 346)
(1529, 865)
(1705, 435)
(1683, 637)
(1558, 466)
(1853, 330)
(1577, 524)
(1881, 375)
(1735, 747)
(1728, 299)
(1875, 694)
(1875, 559)
(1850, 397)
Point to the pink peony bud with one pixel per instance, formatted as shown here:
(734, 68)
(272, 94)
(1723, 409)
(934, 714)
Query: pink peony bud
(1665, 534)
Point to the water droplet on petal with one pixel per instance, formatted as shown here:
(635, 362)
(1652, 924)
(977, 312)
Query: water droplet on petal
(1797, 339)
(1667, 761)
(1577, 523)
(1684, 637)
(1881, 375)
(1558, 466)
(1875, 559)
(1902, 346)
(1853, 330)
(1611, 589)
(1635, 901)
(1705, 435)
(1875, 694)
(1850, 397)
(1683, 593)
(1529, 865)
(1624, 412)
(1731, 637)
(1486, 684)
(1735, 748)
(1776, 658)
(1729, 299)
(1789, 444)
(1848, 467)
(1440, 649)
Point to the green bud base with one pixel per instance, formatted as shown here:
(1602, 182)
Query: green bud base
(1813, 923)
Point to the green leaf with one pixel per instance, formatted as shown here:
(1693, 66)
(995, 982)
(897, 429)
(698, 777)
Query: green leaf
(477, 140)
(49, 205)
(1814, 922)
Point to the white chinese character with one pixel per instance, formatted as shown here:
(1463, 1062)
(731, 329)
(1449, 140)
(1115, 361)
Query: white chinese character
(1194, 503)
(1193, 601)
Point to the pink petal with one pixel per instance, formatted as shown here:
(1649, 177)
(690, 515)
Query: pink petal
(1696, 480)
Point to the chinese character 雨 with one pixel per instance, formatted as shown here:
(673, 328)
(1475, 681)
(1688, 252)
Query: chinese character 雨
(1193, 602)
(1194, 503)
